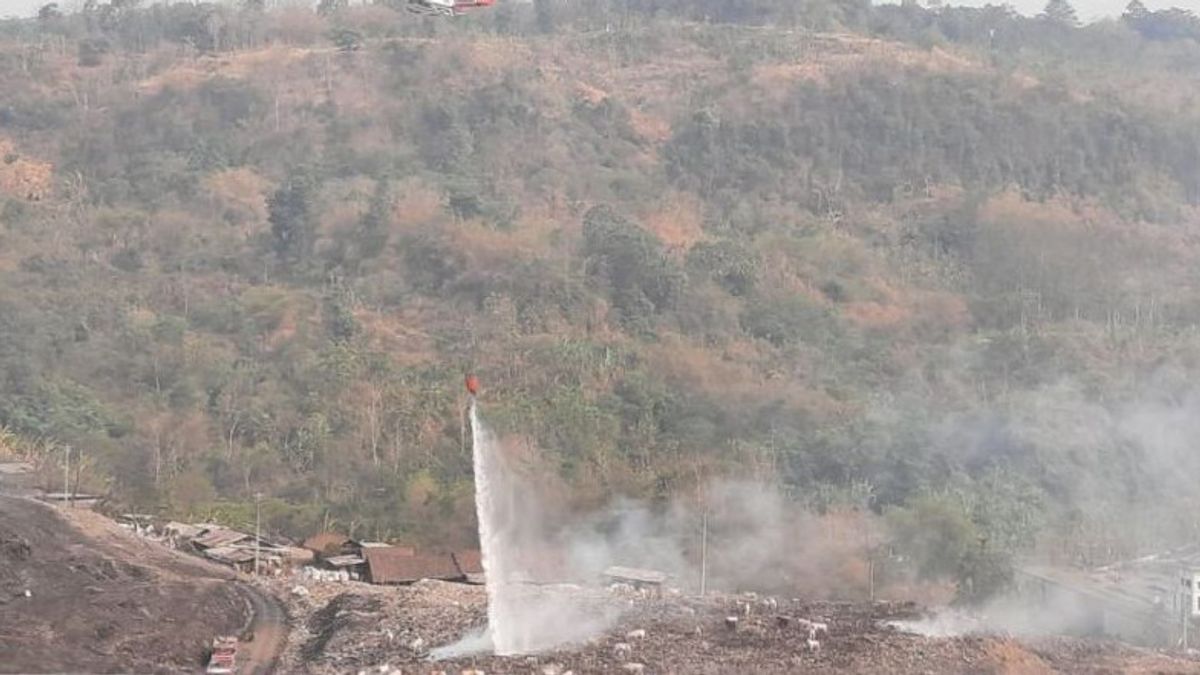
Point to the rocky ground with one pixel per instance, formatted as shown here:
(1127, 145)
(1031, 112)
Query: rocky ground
(352, 627)
(79, 594)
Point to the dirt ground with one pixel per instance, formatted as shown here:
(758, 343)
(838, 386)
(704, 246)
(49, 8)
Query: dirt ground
(80, 594)
(351, 627)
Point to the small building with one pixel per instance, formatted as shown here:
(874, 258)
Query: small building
(344, 561)
(75, 499)
(401, 565)
(234, 548)
(215, 536)
(239, 558)
(352, 565)
(652, 580)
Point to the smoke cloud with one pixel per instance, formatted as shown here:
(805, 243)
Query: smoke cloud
(750, 536)
(1101, 458)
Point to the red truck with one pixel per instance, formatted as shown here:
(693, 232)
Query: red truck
(224, 656)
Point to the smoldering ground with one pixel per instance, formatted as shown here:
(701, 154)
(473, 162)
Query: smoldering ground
(1116, 484)
(1102, 463)
(742, 535)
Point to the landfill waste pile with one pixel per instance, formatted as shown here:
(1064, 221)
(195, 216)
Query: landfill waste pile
(360, 628)
(342, 627)
(80, 594)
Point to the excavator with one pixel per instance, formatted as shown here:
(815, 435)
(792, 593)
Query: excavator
(447, 7)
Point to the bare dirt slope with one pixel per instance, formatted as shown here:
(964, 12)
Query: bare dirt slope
(79, 594)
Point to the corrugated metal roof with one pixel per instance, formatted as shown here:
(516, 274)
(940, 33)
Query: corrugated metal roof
(344, 560)
(219, 536)
(635, 574)
(230, 554)
(398, 565)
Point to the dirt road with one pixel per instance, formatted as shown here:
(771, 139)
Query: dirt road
(269, 626)
(80, 594)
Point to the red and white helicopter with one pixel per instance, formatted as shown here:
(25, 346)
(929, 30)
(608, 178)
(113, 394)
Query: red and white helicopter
(447, 7)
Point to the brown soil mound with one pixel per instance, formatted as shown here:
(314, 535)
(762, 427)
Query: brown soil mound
(87, 597)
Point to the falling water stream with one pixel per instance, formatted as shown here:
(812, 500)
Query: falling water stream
(494, 508)
(523, 617)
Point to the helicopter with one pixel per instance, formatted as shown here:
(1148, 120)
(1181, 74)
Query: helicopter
(447, 7)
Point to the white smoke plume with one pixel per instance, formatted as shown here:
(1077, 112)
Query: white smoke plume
(534, 558)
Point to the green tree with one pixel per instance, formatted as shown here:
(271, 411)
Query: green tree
(293, 218)
(730, 264)
(328, 7)
(1060, 12)
(642, 279)
(1135, 11)
(372, 232)
(346, 39)
(49, 12)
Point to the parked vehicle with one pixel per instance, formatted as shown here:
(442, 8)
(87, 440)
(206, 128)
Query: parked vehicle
(223, 660)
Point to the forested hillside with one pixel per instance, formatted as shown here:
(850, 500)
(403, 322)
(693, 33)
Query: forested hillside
(939, 264)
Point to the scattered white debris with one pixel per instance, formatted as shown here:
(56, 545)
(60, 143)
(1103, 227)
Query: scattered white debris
(813, 645)
(417, 645)
(317, 574)
(639, 634)
(622, 649)
(633, 667)
(28, 593)
(299, 591)
(552, 669)
(731, 622)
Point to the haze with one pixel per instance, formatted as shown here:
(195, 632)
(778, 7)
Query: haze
(1093, 9)
(1088, 9)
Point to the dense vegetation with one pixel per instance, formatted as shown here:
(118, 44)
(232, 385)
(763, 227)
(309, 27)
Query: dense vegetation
(938, 264)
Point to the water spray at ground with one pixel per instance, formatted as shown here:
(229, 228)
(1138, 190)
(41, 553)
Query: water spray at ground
(492, 495)
(525, 615)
